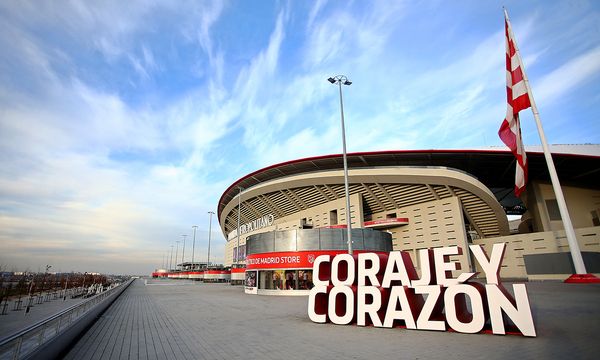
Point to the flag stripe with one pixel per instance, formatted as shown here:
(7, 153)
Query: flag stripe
(517, 99)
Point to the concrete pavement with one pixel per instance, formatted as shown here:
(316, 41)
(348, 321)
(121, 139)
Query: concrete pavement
(179, 320)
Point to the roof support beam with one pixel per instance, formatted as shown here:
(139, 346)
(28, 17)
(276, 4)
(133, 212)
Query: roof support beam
(379, 203)
(466, 212)
(335, 196)
(433, 192)
(255, 212)
(323, 194)
(387, 195)
(291, 200)
(233, 217)
(294, 195)
(272, 207)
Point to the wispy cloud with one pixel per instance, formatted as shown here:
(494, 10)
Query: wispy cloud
(581, 69)
(121, 124)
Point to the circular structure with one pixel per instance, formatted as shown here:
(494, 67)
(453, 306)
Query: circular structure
(422, 199)
(283, 260)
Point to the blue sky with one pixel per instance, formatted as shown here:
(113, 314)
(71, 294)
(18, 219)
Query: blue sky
(121, 123)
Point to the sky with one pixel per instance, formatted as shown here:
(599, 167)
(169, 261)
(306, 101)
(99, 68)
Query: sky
(122, 123)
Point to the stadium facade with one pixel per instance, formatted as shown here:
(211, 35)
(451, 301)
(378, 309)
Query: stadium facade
(293, 211)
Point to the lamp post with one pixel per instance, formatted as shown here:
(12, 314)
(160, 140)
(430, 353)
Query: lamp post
(343, 80)
(183, 251)
(194, 244)
(210, 214)
(176, 253)
(237, 251)
(171, 259)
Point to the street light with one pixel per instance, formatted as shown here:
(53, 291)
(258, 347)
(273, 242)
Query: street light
(194, 244)
(210, 214)
(183, 252)
(343, 80)
(237, 252)
(176, 253)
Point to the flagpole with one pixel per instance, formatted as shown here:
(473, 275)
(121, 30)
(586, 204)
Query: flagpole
(560, 199)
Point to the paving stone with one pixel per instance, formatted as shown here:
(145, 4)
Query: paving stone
(170, 319)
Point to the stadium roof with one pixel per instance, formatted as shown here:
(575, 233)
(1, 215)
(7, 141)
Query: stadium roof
(494, 167)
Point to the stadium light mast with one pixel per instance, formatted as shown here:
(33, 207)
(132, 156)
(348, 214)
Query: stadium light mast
(237, 251)
(343, 80)
(210, 214)
(183, 251)
(194, 244)
(176, 253)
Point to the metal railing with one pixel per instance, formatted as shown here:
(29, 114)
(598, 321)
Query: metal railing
(26, 341)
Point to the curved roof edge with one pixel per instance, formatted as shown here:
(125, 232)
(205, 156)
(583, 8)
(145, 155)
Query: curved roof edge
(558, 149)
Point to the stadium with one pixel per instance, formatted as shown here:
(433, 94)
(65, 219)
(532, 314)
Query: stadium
(288, 213)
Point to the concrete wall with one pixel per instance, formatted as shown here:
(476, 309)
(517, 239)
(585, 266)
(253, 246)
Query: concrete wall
(580, 203)
(513, 265)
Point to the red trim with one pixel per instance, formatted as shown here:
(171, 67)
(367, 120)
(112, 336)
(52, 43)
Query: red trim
(384, 222)
(292, 259)
(384, 152)
(217, 272)
(583, 279)
(388, 152)
(238, 270)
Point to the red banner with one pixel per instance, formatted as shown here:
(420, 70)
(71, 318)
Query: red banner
(291, 259)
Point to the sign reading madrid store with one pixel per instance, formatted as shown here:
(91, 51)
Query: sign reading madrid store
(384, 290)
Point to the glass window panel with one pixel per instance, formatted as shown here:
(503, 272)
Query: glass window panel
(331, 239)
(278, 280)
(308, 240)
(305, 280)
(285, 240)
(260, 243)
(291, 279)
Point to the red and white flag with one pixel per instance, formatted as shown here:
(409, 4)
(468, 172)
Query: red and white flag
(518, 99)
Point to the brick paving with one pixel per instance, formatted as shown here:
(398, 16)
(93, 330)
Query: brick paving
(218, 321)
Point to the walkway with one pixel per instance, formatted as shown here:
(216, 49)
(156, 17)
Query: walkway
(172, 320)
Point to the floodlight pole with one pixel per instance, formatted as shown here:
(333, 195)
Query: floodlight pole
(237, 252)
(176, 253)
(210, 214)
(183, 251)
(343, 80)
(194, 244)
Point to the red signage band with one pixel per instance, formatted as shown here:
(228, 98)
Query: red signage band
(292, 259)
(390, 221)
(217, 272)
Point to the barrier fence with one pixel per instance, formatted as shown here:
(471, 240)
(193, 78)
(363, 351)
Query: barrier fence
(24, 343)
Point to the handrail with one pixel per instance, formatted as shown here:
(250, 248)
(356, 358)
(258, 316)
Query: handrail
(11, 347)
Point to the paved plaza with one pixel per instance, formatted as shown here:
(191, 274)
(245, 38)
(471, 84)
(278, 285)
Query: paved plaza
(14, 321)
(170, 319)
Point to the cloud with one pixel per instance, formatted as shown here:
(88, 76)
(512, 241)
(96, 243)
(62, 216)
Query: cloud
(120, 125)
(579, 70)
